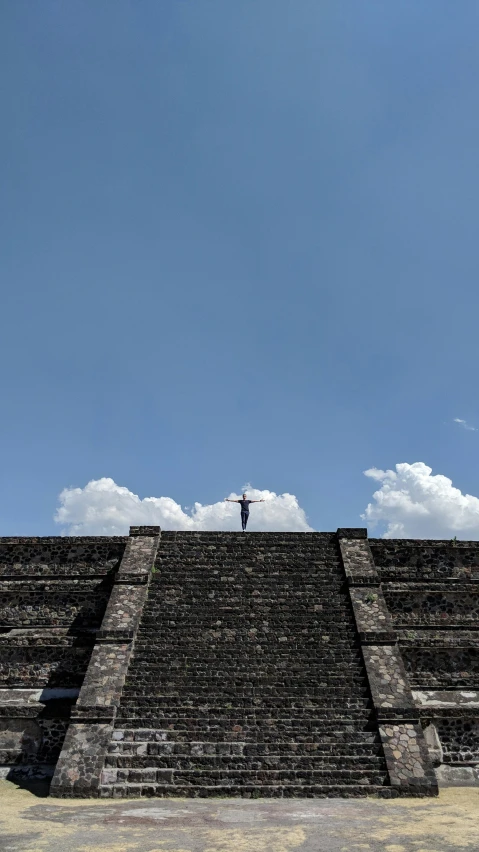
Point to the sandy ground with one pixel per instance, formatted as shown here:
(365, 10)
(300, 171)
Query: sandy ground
(29, 822)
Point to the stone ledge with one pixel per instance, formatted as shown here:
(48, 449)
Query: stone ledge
(457, 776)
(466, 699)
(93, 713)
(407, 756)
(112, 635)
(377, 637)
(403, 715)
(132, 578)
(19, 711)
(437, 637)
(358, 562)
(361, 579)
(437, 712)
(453, 586)
(85, 746)
(388, 681)
(150, 531)
(371, 614)
(352, 532)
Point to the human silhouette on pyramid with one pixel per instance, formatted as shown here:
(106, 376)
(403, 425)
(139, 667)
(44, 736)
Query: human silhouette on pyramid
(245, 504)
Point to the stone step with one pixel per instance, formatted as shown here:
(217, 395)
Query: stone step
(333, 736)
(258, 777)
(200, 687)
(325, 791)
(240, 543)
(187, 565)
(200, 586)
(188, 568)
(185, 749)
(312, 653)
(287, 573)
(299, 585)
(162, 629)
(274, 701)
(147, 648)
(345, 670)
(297, 709)
(232, 762)
(239, 727)
(278, 703)
(243, 615)
(344, 683)
(263, 671)
(260, 544)
(192, 704)
(308, 653)
(346, 655)
(286, 566)
(12, 756)
(276, 590)
(297, 629)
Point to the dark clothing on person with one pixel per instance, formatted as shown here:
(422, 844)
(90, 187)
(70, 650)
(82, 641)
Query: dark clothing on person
(245, 506)
(244, 519)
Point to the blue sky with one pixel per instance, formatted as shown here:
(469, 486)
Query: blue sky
(238, 244)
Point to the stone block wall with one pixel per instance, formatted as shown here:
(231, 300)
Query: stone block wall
(405, 748)
(78, 769)
(431, 589)
(53, 594)
(69, 615)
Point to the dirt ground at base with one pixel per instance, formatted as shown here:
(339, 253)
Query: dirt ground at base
(29, 822)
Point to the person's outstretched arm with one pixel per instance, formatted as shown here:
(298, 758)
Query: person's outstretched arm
(257, 501)
(227, 500)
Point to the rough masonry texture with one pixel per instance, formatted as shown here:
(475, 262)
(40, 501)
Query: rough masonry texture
(257, 664)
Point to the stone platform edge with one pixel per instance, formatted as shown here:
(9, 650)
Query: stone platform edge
(407, 756)
(78, 770)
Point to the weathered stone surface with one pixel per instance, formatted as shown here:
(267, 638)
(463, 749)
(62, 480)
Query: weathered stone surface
(53, 594)
(358, 562)
(388, 681)
(457, 776)
(244, 680)
(145, 531)
(407, 758)
(80, 764)
(245, 675)
(431, 589)
(373, 620)
(425, 561)
(405, 749)
(106, 674)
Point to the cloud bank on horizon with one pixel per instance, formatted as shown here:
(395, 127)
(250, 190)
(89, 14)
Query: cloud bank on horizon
(104, 508)
(411, 502)
(414, 503)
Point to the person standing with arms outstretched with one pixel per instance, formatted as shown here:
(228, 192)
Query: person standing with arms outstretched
(245, 504)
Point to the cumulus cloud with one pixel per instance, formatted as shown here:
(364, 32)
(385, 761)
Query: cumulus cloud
(465, 425)
(104, 508)
(414, 503)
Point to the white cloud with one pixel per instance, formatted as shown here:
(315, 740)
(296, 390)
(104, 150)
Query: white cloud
(415, 504)
(465, 425)
(104, 508)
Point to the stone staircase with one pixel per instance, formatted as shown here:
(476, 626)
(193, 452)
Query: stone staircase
(247, 676)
